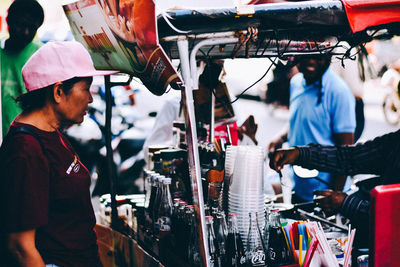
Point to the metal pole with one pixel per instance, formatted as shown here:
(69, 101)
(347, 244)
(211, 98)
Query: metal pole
(193, 66)
(193, 151)
(212, 124)
(110, 160)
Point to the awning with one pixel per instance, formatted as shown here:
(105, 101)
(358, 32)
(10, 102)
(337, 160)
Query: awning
(363, 14)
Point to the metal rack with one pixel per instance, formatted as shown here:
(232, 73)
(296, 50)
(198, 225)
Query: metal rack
(272, 30)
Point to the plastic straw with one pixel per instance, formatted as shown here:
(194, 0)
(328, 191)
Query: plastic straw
(287, 242)
(310, 252)
(293, 248)
(301, 250)
(349, 248)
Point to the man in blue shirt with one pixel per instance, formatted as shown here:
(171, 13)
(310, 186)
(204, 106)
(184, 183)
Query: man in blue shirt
(322, 111)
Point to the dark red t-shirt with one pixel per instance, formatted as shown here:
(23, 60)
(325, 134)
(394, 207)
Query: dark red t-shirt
(49, 193)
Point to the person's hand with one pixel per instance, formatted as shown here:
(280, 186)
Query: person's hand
(282, 157)
(330, 201)
(276, 144)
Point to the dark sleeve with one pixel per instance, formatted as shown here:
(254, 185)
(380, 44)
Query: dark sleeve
(356, 209)
(26, 180)
(367, 158)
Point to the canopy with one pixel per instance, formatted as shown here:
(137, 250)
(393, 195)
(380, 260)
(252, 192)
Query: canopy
(279, 28)
(363, 14)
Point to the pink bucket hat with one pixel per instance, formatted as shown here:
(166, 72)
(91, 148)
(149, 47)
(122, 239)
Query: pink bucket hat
(56, 62)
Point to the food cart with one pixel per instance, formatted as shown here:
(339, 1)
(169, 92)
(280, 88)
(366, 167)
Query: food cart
(280, 30)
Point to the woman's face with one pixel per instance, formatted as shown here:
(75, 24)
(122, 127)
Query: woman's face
(75, 104)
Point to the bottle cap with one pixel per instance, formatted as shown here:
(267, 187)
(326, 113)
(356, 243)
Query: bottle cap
(160, 178)
(276, 210)
(148, 172)
(233, 215)
(209, 217)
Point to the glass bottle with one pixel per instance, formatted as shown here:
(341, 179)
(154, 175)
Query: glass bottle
(278, 252)
(193, 246)
(164, 213)
(174, 219)
(255, 253)
(235, 255)
(266, 227)
(213, 249)
(180, 224)
(186, 226)
(150, 202)
(221, 233)
(147, 185)
(150, 194)
(157, 198)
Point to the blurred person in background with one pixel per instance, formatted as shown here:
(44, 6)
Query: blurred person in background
(322, 111)
(350, 73)
(210, 79)
(24, 18)
(48, 216)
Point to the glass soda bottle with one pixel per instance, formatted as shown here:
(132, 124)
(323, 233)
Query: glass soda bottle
(266, 227)
(278, 252)
(157, 197)
(256, 253)
(193, 246)
(213, 249)
(221, 233)
(150, 201)
(235, 255)
(165, 209)
(148, 185)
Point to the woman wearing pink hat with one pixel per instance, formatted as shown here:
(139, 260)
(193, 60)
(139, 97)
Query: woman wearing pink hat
(47, 215)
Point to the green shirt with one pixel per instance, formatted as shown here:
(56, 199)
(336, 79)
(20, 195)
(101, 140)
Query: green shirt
(12, 84)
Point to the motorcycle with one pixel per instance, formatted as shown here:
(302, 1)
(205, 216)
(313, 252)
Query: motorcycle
(391, 103)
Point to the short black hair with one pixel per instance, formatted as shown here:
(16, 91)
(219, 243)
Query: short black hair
(37, 99)
(24, 8)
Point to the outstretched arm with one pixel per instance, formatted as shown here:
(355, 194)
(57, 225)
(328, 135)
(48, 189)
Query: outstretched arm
(340, 140)
(368, 158)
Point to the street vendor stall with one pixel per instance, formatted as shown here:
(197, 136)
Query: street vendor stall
(125, 36)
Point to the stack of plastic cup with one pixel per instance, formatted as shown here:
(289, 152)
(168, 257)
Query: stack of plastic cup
(246, 191)
(230, 156)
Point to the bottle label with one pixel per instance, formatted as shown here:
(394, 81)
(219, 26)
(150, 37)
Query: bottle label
(242, 260)
(211, 261)
(257, 258)
(163, 225)
(196, 258)
(272, 254)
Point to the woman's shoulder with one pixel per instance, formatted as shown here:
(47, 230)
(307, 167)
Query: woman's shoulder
(23, 141)
(20, 142)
